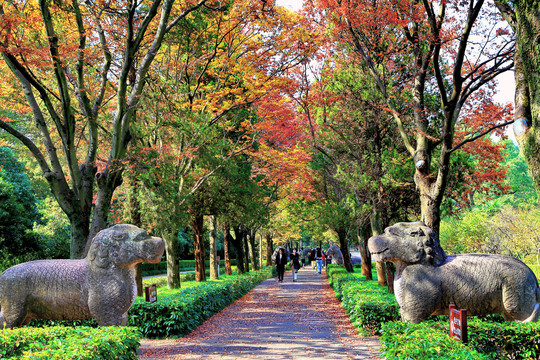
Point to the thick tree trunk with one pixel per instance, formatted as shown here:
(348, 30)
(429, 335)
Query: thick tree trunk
(527, 75)
(260, 252)
(238, 245)
(376, 229)
(363, 234)
(430, 202)
(173, 274)
(197, 225)
(252, 252)
(390, 276)
(269, 249)
(80, 227)
(213, 250)
(344, 247)
(227, 249)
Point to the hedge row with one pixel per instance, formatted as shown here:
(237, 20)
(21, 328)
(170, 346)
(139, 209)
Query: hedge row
(374, 311)
(183, 265)
(69, 343)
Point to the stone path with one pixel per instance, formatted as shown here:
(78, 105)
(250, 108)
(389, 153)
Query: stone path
(288, 320)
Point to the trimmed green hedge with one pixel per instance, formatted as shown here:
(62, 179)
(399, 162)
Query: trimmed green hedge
(426, 340)
(69, 343)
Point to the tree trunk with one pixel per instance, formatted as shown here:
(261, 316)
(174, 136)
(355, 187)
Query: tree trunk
(173, 274)
(430, 201)
(260, 252)
(269, 249)
(376, 229)
(252, 247)
(527, 75)
(344, 247)
(363, 234)
(227, 249)
(135, 219)
(79, 235)
(197, 225)
(213, 250)
(246, 250)
(390, 276)
(238, 245)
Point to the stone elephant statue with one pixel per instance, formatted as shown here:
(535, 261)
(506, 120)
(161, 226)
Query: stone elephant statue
(100, 286)
(337, 256)
(427, 281)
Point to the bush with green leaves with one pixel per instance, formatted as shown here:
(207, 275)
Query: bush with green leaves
(427, 340)
(368, 304)
(69, 343)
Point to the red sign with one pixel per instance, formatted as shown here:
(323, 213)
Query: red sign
(458, 323)
(151, 293)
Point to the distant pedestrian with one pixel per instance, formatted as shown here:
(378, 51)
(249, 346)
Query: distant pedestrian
(295, 264)
(281, 261)
(302, 257)
(319, 259)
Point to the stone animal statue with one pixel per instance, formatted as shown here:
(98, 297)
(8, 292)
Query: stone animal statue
(337, 256)
(100, 286)
(275, 254)
(427, 280)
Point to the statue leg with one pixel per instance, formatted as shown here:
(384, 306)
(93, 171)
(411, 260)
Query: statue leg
(12, 316)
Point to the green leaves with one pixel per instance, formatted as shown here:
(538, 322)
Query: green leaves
(70, 343)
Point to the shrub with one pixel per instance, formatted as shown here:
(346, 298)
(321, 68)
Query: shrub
(427, 340)
(69, 343)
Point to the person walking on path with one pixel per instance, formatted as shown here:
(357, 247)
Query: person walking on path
(281, 261)
(295, 264)
(319, 259)
(302, 257)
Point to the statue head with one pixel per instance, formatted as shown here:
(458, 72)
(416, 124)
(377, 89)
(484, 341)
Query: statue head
(408, 243)
(124, 245)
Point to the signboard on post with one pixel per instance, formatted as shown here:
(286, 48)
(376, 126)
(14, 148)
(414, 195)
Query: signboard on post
(458, 323)
(151, 293)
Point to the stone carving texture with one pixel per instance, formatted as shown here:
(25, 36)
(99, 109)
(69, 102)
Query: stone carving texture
(337, 256)
(100, 286)
(427, 281)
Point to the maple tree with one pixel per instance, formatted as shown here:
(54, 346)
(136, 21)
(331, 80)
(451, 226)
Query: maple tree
(421, 58)
(522, 15)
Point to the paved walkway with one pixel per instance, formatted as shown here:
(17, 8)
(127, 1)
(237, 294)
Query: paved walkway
(289, 320)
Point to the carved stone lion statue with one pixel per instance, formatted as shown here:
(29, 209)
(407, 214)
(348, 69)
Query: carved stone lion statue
(337, 256)
(427, 281)
(100, 286)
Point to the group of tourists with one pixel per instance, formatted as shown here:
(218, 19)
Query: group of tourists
(297, 259)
